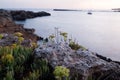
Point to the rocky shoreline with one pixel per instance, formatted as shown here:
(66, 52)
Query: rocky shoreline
(83, 64)
(23, 15)
(7, 24)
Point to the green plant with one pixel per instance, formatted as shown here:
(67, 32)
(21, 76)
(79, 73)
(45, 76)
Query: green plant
(61, 72)
(64, 34)
(18, 34)
(34, 45)
(33, 75)
(76, 46)
(51, 37)
(20, 40)
(9, 76)
(13, 45)
(7, 59)
(19, 69)
(17, 62)
(1, 36)
(41, 65)
(12, 60)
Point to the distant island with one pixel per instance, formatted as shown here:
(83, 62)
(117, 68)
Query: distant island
(65, 10)
(116, 9)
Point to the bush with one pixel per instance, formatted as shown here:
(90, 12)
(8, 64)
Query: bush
(76, 46)
(18, 34)
(1, 36)
(18, 63)
(61, 72)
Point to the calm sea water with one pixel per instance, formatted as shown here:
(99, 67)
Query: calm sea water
(99, 32)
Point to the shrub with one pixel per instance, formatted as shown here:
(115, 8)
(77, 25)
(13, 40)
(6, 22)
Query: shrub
(18, 34)
(18, 63)
(9, 76)
(61, 72)
(7, 58)
(20, 40)
(34, 45)
(1, 36)
(64, 34)
(33, 75)
(76, 46)
(51, 37)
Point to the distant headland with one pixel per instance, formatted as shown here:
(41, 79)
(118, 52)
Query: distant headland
(65, 10)
(116, 9)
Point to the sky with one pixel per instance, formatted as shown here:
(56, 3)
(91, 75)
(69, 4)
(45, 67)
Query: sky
(67, 4)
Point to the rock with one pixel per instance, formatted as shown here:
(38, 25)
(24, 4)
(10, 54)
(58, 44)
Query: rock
(7, 25)
(31, 31)
(5, 17)
(104, 58)
(21, 15)
(82, 63)
(9, 39)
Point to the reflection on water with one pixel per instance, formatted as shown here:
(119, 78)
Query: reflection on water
(99, 32)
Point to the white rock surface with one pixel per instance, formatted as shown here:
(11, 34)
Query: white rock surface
(84, 62)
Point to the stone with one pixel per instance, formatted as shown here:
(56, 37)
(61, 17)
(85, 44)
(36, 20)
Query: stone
(83, 63)
(21, 15)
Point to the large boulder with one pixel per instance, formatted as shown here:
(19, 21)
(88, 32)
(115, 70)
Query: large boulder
(83, 64)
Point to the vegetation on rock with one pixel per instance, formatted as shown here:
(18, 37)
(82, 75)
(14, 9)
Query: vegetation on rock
(61, 72)
(17, 62)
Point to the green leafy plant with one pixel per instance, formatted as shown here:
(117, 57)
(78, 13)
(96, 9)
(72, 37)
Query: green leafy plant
(12, 60)
(18, 62)
(41, 65)
(51, 37)
(76, 46)
(9, 76)
(19, 69)
(7, 59)
(33, 75)
(61, 72)
(20, 40)
(18, 34)
(64, 34)
(1, 36)
(33, 45)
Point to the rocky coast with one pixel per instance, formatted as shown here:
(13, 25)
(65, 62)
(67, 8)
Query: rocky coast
(7, 24)
(82, 63)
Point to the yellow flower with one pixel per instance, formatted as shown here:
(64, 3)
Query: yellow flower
(1, 36)
(14, 45)
(18, 34)
(61, 71)
(33, 44)
(7, 58)
(20, 39)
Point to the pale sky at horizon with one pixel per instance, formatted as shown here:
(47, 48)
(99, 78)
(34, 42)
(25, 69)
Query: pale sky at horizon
(70, 4)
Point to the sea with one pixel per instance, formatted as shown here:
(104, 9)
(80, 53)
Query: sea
(99, 32)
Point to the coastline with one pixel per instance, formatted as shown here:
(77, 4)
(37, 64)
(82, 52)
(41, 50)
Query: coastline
(7, 24)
